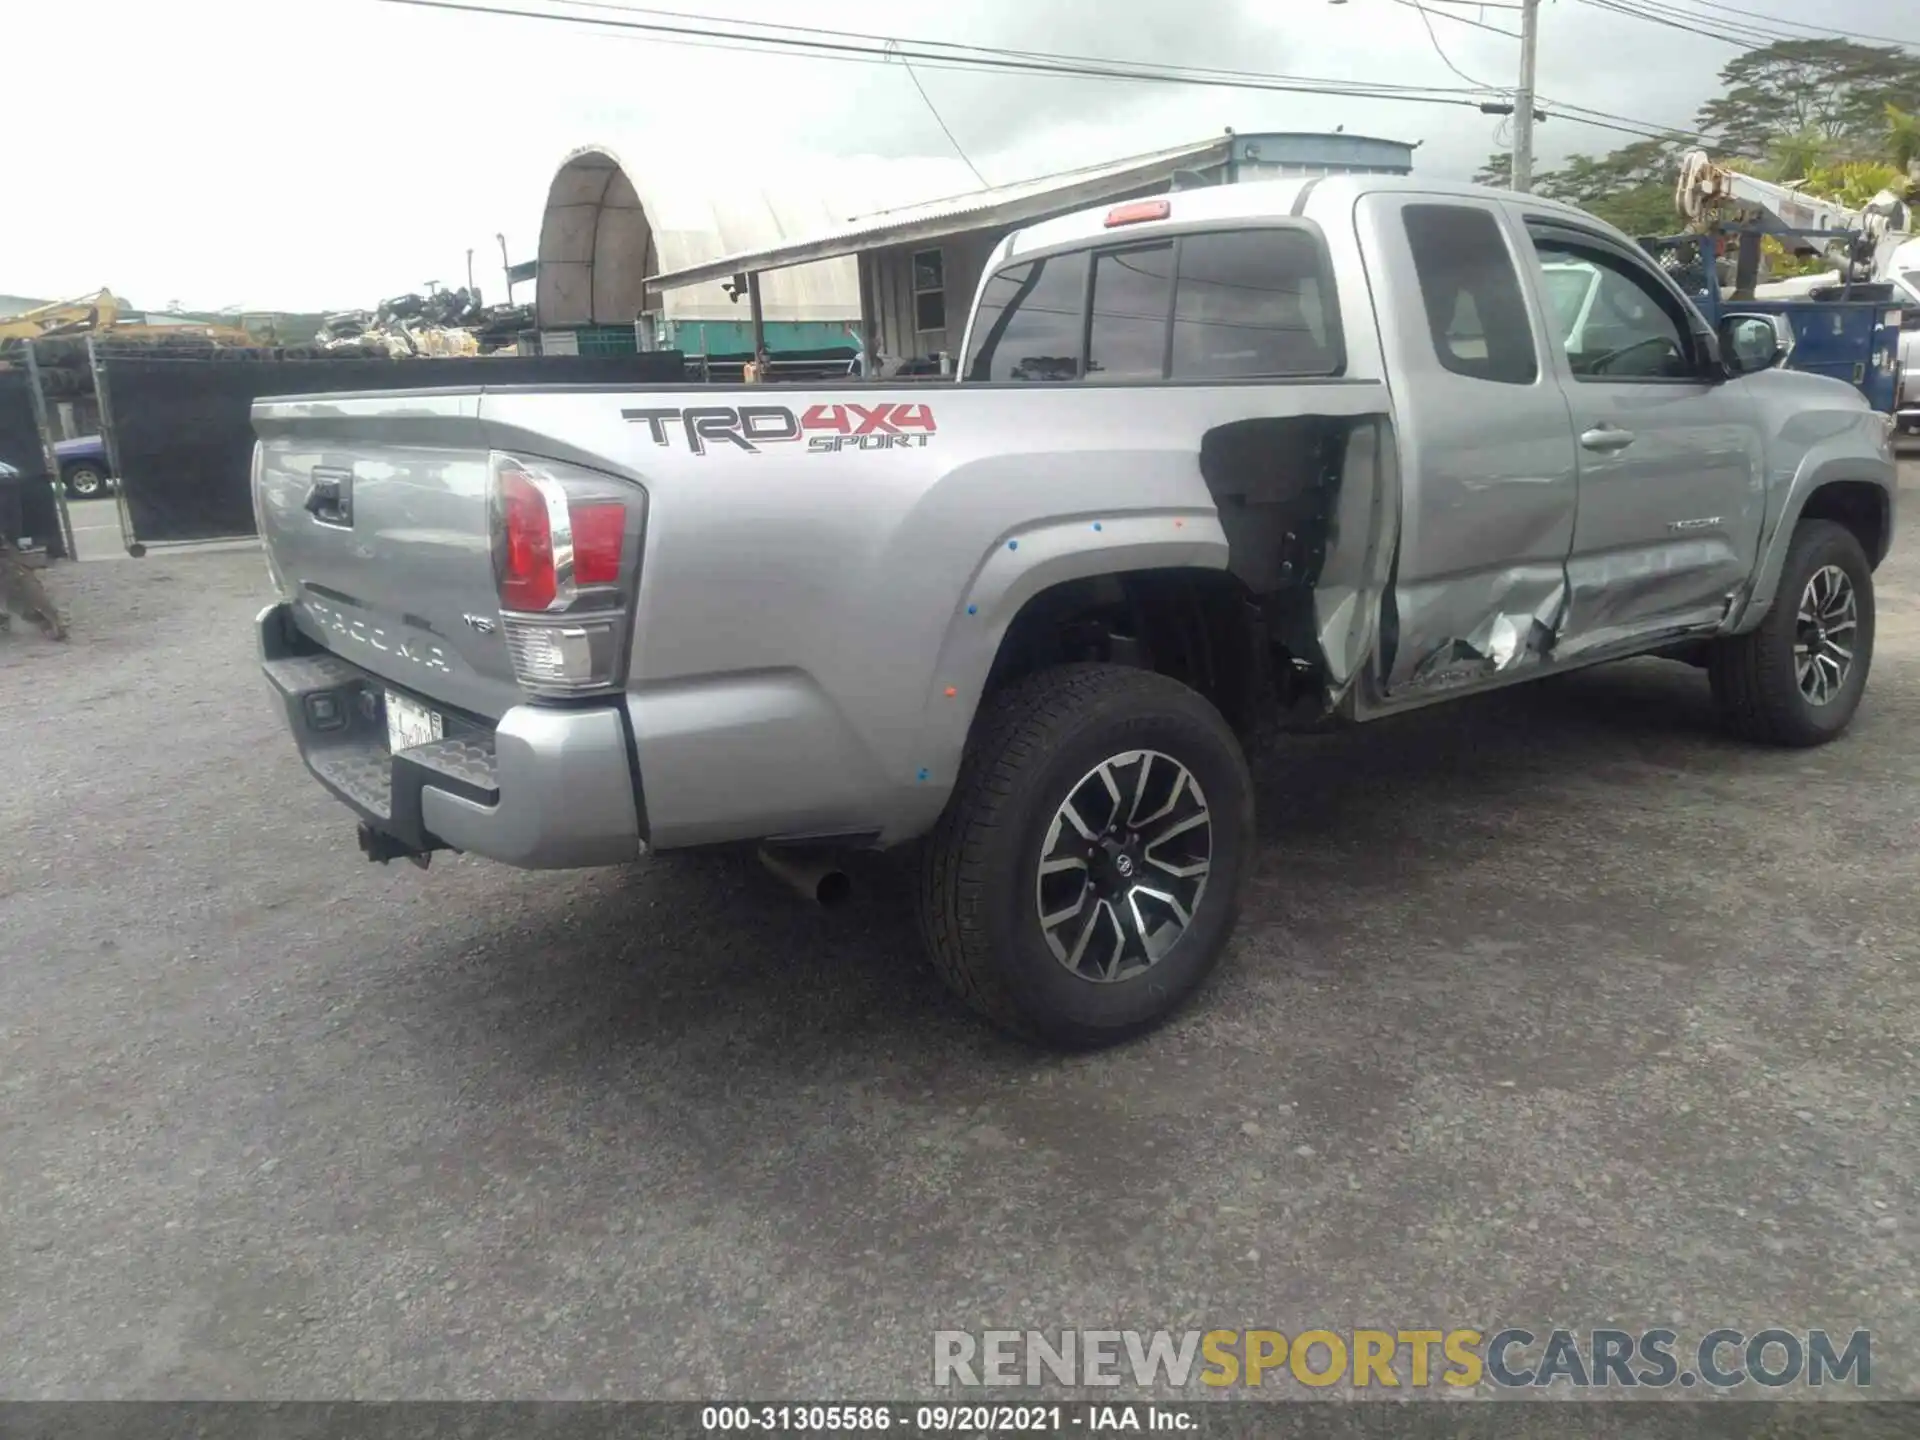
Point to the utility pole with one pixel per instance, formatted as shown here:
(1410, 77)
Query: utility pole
(1523, 98)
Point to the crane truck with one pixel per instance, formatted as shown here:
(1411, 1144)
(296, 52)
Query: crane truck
(1859, 321)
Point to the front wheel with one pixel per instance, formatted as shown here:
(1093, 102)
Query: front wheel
(1085, 876)
(84, 482)
(1797, 678)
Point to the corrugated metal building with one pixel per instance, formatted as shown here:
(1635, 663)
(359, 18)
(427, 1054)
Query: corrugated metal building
(918, 265)
(609, 224)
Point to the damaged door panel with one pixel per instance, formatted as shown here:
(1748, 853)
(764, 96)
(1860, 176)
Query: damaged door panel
(1479, 587)
(1307, 505)
(1671, 457)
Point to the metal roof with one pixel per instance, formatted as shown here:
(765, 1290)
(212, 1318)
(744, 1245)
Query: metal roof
(1001, 205)
(615, 214)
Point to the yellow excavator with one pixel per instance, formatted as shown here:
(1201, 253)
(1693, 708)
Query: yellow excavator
(63, 317)
(99, 314)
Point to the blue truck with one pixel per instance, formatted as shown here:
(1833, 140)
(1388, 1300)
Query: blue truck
(1850, 330)
(84, 467)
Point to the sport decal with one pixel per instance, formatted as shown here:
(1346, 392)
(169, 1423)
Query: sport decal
(884, 425)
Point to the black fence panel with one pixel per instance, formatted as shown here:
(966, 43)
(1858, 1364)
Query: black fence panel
(181, 430)
(28, 507)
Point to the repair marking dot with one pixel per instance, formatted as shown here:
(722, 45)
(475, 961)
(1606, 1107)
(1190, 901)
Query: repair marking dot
(924, 772)
(1013, 544)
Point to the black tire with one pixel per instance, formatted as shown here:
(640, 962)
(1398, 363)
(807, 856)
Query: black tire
(1032, 744)
(86, 482)
(1754, 676)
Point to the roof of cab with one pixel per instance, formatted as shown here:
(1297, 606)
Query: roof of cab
(1259, 200)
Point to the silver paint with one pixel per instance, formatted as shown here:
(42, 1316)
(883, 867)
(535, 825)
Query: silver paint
(801, 616)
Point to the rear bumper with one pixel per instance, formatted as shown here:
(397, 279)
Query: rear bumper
(546, 788)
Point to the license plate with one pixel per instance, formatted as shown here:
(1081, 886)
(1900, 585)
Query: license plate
(410, 723)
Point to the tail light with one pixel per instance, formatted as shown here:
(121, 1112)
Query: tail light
(566, 562)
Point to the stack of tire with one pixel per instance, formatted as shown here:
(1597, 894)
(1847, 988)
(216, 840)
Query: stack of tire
(64, 371)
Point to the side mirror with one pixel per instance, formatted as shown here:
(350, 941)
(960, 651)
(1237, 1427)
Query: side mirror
(1752, 343)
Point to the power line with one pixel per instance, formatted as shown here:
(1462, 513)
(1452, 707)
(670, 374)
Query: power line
(1814, 31)
(1742, 34)
(953, 56)
(1740, 41)
(934, 111)
(1427, 20)
(950, 56)
(1457, 19)
(945, 54)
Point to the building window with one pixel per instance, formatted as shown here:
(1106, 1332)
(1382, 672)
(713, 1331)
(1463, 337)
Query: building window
(929, 291)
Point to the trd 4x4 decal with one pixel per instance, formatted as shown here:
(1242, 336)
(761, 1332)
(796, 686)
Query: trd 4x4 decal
(884, 425)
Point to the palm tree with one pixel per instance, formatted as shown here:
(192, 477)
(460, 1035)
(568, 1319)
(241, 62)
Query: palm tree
(1903, 140)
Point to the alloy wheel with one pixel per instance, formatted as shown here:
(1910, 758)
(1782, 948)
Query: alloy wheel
(1823, 635)
(1124, 865)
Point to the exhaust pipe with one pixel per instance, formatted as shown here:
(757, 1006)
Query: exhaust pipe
(810, 877)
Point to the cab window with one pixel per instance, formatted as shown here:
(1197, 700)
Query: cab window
(1252, 303)
(1471, 293)
(1127, 339)
(1628, 330)
(1028, 325)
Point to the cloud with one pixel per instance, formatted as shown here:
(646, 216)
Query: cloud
(328, 153)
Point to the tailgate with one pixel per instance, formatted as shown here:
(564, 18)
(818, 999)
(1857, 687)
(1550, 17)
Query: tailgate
(374, 512)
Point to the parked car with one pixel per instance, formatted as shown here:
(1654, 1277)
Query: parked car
(1220, 464)
(84, 467)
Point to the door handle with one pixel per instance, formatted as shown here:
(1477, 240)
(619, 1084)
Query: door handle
(1606, 437)
(330, 499)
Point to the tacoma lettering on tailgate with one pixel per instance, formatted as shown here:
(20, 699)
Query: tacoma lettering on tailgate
(431, 657)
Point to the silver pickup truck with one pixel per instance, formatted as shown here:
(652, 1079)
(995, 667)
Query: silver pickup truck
(1220, 464)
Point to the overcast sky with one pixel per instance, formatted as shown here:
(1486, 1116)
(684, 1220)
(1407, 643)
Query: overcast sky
(296, 154)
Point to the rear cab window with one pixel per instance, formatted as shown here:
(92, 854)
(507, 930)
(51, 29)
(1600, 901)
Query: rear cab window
(1030, 322)
(1256, 302)
(1253, 303)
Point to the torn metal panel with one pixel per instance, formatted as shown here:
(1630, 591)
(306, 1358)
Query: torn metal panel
(1309, 504)
(1518, 624)
(1357, 556)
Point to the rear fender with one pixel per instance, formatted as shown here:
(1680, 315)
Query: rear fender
(1020, 565)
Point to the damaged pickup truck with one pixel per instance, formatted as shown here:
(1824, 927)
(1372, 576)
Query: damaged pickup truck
(1220, 464)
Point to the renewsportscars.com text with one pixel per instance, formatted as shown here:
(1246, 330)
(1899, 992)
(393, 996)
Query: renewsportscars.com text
(1511, 1358)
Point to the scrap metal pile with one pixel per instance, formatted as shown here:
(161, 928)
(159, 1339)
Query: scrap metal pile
(448, 322)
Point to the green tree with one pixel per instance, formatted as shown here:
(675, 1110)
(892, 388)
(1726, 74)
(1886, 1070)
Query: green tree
(1794, 157)
(1833, 88)
(1498, 171)
(1631, 187)
(1903, 138)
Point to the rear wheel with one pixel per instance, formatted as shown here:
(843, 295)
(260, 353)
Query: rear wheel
(84, 482)
(1085, 876)
(1797, 678)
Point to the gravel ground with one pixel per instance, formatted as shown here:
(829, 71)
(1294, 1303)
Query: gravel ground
(1555, 1008)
